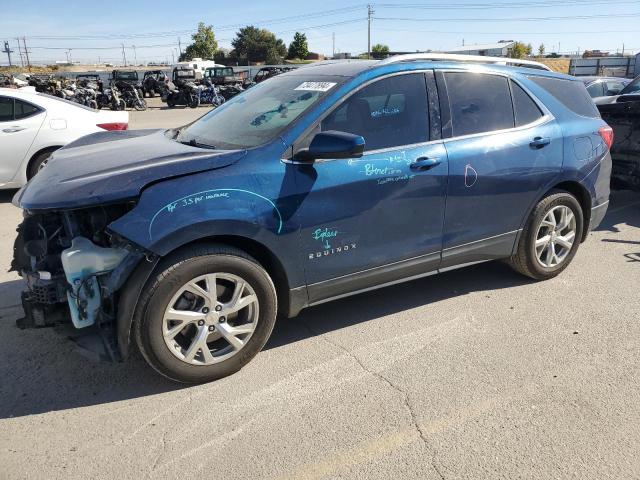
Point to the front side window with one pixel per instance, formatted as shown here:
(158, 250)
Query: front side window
(479, 103)
(525, 108)
(388, 113)
(6, 109)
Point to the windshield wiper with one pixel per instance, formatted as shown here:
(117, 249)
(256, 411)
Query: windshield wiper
(194, 143)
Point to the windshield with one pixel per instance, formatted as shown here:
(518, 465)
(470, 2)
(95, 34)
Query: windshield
(219, 72)
(126, 75)
(259, 114)
(633, 87)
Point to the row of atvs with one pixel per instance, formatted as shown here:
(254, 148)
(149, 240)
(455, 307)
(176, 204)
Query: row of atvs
(89, 90)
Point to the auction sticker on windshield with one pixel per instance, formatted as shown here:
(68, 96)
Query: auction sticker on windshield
(316, 86)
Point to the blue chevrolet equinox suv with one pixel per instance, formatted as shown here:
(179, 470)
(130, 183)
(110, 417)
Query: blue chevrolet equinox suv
(320, 183)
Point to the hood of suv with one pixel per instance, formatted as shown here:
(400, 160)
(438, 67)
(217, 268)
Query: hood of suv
(108, 167)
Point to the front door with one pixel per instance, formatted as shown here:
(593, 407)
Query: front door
(375, 219)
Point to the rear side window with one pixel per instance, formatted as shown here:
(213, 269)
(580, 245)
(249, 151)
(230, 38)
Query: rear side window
(572, 94)
(388, 113)
(24, 109)
(596, 90)
(6, 109)
(479, 103)
(524, 107)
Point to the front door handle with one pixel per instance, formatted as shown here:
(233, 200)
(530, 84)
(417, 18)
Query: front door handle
(540, 142)
(13, 129)
(425, 163)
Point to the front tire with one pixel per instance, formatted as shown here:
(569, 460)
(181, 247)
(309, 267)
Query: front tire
(208, 310)
(550, 238)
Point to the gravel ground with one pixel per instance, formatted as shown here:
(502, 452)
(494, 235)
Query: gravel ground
(477, 373)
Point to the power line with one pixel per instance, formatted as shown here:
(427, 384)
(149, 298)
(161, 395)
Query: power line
(513, 19)
(509, 5)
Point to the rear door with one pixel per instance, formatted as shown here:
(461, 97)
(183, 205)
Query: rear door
(502, 152)
(19, 125)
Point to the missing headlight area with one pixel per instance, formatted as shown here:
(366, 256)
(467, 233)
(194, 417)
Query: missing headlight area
(73, 269)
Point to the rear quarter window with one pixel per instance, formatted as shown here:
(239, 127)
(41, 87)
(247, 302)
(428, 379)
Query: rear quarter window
(572, 94)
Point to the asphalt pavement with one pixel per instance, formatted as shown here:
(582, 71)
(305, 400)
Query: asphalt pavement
(476, 374)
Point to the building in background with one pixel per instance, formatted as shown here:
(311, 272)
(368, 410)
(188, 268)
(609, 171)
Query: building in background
(500, 49)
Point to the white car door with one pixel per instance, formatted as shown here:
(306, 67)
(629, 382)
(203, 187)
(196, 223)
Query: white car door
(20, 122)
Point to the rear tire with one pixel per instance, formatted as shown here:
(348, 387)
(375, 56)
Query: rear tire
(550, 238)
(38, 162)
(181, 356)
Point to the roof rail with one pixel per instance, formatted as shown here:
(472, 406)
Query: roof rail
(448, 57)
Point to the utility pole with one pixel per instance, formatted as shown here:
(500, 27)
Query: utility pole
(179, 48)
(333, 35)
(26, 52)
(124, 56)
(173, 58)
(8, 51)
(20, 52)
(135, 55)
(370, 13)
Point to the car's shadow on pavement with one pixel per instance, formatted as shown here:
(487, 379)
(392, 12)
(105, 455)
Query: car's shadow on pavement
(7, 195)
(392, 300)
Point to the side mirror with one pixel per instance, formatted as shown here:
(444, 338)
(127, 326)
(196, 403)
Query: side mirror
(333, 145)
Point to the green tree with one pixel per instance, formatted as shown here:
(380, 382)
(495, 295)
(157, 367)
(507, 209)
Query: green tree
(379, 50)
(541, 50)
(298, 48)
(204, 44)
(259, 45)
(520, 50)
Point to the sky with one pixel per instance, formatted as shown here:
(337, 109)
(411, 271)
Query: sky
(149, 30)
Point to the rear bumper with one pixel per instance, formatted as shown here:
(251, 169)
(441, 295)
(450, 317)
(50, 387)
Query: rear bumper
(597, 214)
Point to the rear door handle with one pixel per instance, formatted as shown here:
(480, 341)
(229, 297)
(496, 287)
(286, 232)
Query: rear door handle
(13, 129)
(425, 163)
(540, 142)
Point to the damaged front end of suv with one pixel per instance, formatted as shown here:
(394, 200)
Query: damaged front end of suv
(75, 266)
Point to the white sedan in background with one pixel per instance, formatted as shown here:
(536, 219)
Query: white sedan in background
(32, 125)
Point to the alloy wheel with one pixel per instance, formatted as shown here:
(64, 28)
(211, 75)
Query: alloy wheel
(556, 236)
(210, 318)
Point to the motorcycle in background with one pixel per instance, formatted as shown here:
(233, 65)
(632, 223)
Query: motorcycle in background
(185, 94)
(209, 93)
(131, 96)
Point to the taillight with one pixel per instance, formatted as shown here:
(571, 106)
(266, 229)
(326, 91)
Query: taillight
(606, 133)
(113, 126)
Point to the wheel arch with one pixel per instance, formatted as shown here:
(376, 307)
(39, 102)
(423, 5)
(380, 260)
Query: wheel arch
(584, 199)
(29, 163)
(129, 309)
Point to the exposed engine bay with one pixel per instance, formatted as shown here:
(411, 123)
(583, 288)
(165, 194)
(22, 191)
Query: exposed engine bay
(74, 267)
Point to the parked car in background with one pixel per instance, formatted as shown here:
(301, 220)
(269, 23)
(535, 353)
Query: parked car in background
(604, 86)
(311, 186)
(622, 113)
(267, 72)
(33, 125)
